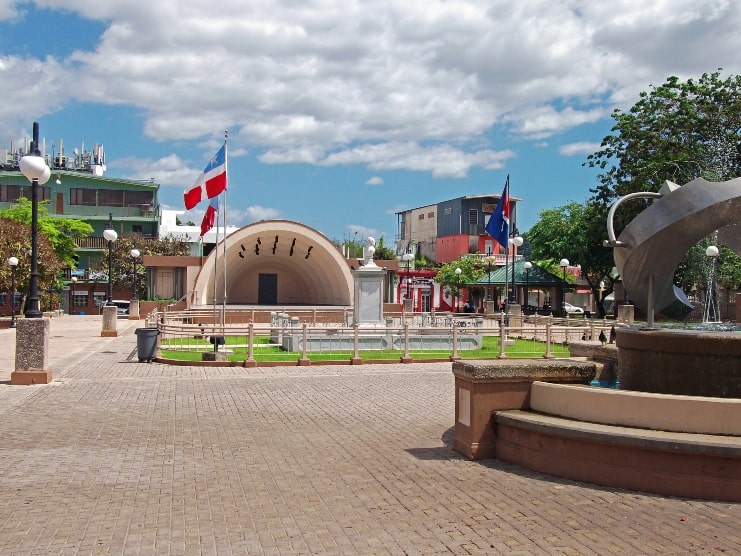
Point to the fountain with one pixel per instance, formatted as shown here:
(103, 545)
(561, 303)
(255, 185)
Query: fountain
(666, 360)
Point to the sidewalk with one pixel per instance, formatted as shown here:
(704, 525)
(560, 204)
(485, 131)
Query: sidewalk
(121, 457)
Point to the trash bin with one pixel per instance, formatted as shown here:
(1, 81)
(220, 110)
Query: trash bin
(146, 343)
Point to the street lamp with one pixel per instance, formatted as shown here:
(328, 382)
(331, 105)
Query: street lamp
(13, 262)
(134, 255)
(489, 259)
(72, 282)
(458, 283)
(710, 312)
(517, 241)
(37, 172)
(564, 264)
(528, 265)
(110, 236)
(408, 258)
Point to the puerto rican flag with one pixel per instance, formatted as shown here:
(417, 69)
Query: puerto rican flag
(210, 183)
(498, 225)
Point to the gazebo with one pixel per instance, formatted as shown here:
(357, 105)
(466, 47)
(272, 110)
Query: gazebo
(526, 283)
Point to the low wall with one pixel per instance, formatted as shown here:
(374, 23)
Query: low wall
(484, 387)
(605, 356)
(643, 410)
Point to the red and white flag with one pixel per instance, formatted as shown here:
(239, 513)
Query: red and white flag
(210, 183)
(210, 216)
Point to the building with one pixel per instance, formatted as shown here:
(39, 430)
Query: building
(444, 231)
(79, 189)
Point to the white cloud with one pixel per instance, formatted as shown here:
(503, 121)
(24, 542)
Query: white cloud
(255, 213)
(580, 148)
(375, 180)
(386, 84)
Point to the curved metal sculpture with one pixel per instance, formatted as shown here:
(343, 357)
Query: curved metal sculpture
(652, 245)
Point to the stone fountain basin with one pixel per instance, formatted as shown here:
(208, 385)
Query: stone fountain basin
(680, 361)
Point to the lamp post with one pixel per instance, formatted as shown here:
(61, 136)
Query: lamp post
(710, 314)
(517, 241)
(110, 236)
(489, 259)
(458, 283)
(37, 172)
(134, 255)
(408, 258)
(13, 262)
(564, 264)
(72, 282)
(528, 265)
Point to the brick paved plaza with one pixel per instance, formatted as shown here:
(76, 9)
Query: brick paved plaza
(121, 457)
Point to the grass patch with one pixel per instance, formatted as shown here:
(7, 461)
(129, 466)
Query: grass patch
(491, 349)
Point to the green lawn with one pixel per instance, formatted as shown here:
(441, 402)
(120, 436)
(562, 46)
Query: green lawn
(490, 349)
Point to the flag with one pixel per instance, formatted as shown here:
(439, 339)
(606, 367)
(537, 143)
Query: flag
(498, 225)
(210, 216)
(210, 183)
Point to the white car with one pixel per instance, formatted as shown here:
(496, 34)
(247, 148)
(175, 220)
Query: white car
(573, 309)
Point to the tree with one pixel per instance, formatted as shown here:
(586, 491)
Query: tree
(382, 252)
(677, 131)
(575, 231)
(15, 241)
(471, 270)
(123, 264)
(61, 232)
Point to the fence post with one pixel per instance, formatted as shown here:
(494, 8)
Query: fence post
(356, 360)
(548, 339)
(502, 336)
(250, 361)
(455, 357)
(304, 359)
(406, 358)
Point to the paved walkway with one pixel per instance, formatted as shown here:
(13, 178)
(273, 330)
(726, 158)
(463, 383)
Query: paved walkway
(120, 457)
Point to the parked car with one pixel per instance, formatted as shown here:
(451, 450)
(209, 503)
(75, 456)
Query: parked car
(573, 309)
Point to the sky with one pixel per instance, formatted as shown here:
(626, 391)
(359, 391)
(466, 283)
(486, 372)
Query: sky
(342, 113)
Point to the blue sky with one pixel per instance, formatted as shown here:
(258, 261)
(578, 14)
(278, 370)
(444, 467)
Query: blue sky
(341, 113)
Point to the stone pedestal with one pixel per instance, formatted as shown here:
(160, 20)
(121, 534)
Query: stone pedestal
(134, 310)
(31, 352)
(110, 316)
(368, 296)
(626, 314)
(408, 305)
(214, 356)
(483, 387)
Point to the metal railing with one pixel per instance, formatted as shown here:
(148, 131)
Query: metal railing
(288, 338)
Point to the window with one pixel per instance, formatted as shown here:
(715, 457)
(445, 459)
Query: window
(139, 198)
(79, 299)
(473, 216)
(99, 298)
(448, 211)
(430, 215)
(79, 196)
(421, 217)
(110, 197)
(11, 193)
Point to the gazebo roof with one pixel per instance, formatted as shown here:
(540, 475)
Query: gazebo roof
(536, 277)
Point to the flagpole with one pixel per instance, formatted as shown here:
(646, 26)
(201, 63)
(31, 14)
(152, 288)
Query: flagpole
(226, 170)
(216, 261)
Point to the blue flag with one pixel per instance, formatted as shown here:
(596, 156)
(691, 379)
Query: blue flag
(498, 225)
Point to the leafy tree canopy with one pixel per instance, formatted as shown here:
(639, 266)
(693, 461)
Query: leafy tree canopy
(471, 270)
(61, 232)
(15, 241)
